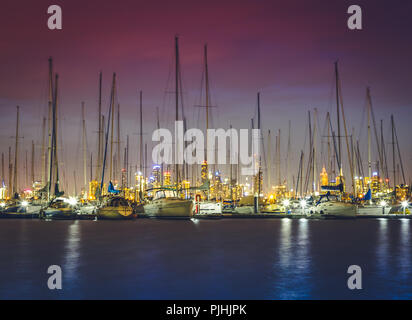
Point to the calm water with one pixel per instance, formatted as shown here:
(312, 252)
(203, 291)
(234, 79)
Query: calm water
(224, 259)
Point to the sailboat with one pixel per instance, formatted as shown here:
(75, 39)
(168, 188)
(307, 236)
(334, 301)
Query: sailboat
(166, 202)
(368, 207)
(203, 207)
(331, 206)
(113, 206)
(17, 208)
(328, 205)
(59, 208)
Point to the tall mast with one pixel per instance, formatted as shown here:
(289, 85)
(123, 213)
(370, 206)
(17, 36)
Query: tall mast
(231, 166)
(91, 166)
(126, 161)
(329, 167)
(378, 146)
(2, 168)
(346, 131)
(100, 130)
(112, 125)
(399, 155)
(314, 149)
(145, 160)
(369, 137)
(111, 106)
(158, 127)
(338, 112)
(278, 159)
(384, 159)
(261, 137)
(302, 161)
(141, 131)
(288, 152)
(269, 162)
(43, 154)
(16, 151)
(393, 152)
(177, 103)
(84, 149)
(118, 162)
(26, 169)
(32, 162)
(207, 96)
(50, 124)
(10, 172)
(309, 170)
(55, 135)
(352, 150)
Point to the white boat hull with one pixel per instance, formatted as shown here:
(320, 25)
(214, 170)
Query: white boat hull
(334, 209)
(372, 210)
(169, 208)
(245, 210)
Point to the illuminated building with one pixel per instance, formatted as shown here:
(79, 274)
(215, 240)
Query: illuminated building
(402, 192)
(359, 186)
(129, 194)
(166, 178)
(156, 175)
(140, 186)
(204, 172)
(216, 188)
(93, 185)
(324, 181)
(280, 192)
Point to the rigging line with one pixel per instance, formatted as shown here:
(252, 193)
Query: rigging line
(399, 155)
(107, 137)
(361, 126)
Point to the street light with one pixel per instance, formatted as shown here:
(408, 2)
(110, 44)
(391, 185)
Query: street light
(303, 205)
(404, 204)
(24, 203)
(72, 201)
(383, 205)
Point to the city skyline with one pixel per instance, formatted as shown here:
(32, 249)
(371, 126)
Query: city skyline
(251, 49)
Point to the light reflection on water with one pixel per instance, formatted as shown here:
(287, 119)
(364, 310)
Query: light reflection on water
(404, 257)
(206, 259)
(382, 246)
(72, 253)
(294, 264)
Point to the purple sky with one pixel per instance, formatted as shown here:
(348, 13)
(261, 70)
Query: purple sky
(284, 49)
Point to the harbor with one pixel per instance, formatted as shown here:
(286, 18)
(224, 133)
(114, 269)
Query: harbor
(213, 156)
(114, 189)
